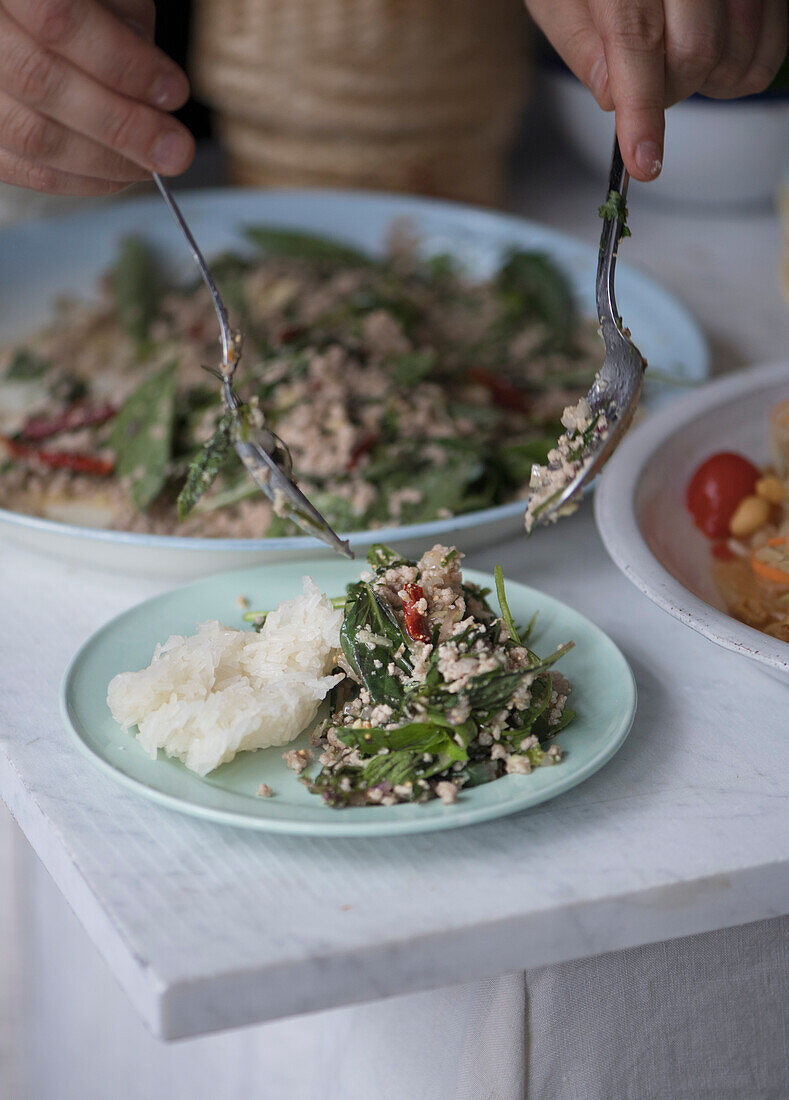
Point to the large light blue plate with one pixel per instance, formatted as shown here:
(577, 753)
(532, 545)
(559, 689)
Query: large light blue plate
(66, 255)
(604, 696)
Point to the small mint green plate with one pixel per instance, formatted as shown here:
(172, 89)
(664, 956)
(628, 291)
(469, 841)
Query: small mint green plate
(604, 696)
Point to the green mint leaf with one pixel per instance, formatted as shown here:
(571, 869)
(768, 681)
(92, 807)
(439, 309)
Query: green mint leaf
(381, 556)
(493, 690)
(532, 288)
(370, 660)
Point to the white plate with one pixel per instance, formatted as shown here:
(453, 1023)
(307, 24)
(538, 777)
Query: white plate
(49, 257)
(641, 513)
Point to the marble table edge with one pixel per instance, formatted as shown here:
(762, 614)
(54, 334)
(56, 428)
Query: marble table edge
(579, 929)
(177, 1007)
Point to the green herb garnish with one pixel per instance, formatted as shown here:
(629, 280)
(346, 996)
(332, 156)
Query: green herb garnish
(615, 209)
(532, 288)
(259, 617)
(504, 606)
(26, 366)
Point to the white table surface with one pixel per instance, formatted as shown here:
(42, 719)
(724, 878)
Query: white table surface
(685, 830)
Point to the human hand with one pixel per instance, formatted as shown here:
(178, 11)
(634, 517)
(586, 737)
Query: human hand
(84, 96)
(638, 57)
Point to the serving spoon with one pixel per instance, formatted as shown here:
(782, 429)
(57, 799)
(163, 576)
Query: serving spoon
(618, 383)
(265, 456)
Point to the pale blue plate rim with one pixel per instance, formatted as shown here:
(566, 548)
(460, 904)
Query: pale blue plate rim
(474, 808)
(495, 225)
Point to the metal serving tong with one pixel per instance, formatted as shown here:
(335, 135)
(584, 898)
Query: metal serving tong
(266, 458)
(617, 385)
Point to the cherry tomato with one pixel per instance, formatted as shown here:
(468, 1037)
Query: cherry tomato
(716, 488)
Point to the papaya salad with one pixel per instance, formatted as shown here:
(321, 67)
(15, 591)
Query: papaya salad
(405, 390)
(744, 509)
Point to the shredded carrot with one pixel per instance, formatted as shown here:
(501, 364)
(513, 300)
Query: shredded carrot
(767, 571)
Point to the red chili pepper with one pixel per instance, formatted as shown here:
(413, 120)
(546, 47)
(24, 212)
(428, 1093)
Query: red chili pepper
(200, 330)
(75, 416)
(365, 444)
(287, 335)
(504, 394)
(415, 621)
(61, 460)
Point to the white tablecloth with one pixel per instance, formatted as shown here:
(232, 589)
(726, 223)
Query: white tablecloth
(700, 1018)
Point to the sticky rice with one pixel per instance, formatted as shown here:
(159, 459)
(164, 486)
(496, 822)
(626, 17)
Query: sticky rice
(220, 691)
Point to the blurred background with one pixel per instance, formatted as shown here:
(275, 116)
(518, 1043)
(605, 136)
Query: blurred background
(450, 98)
(424, 97)
(442, 97)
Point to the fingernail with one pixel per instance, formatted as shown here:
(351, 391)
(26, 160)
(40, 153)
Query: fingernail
(598, 78)
(171, 152)
(168, 92)
(648, 159)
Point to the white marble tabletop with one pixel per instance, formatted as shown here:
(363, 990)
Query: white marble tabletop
(685, 830)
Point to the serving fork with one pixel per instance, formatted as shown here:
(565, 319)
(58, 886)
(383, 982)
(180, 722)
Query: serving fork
(264, 455)
(618, 383)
